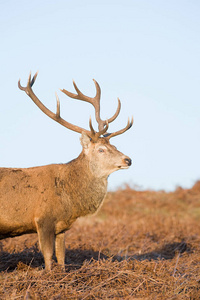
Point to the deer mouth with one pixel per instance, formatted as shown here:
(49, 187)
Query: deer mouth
(123, 167)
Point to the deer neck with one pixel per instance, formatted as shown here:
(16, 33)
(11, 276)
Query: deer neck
(83, 187)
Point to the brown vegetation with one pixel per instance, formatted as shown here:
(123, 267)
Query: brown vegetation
(140, 245)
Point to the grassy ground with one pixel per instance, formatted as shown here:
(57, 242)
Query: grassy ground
(140, 245)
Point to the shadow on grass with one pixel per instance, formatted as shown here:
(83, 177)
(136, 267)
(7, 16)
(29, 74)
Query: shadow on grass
(74, 258)
(167, 251)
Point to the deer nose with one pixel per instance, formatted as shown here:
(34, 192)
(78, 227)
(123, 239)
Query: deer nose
(128, 161)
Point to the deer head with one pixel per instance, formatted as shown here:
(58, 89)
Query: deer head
(94, 143)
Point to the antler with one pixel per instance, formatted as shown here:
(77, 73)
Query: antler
(95, 101)
(102, 124)
(56, 117)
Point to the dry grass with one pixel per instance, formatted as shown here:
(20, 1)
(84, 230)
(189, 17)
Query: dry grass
(141, 245)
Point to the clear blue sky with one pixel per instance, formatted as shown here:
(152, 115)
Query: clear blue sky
(147, 53)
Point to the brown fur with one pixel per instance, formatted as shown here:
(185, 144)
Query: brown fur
(48, 199)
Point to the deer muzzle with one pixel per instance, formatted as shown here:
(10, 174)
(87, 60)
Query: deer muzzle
(128, 161)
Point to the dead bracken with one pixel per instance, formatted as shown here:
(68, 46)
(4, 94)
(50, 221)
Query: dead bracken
(140, 245)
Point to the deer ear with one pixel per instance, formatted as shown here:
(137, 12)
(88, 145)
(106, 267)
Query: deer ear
(85, 140)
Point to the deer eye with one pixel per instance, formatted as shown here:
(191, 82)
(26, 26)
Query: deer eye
(101, 150)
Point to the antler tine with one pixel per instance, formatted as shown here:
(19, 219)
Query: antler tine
(91, 127)
(116, 113)
(33, 79)
(112, 118)
(102, 123)
(128, 126)
(58, 106)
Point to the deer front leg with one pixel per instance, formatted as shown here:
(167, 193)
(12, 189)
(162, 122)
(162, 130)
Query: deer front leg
(60, 248)
(46, 237)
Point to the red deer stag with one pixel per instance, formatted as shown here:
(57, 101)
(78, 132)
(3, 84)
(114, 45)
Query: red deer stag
(48, 199)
